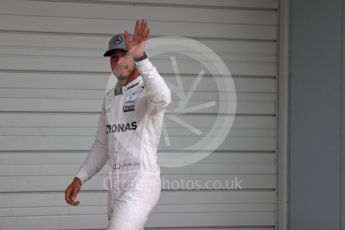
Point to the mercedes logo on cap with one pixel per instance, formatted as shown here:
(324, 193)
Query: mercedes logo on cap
(117, 40)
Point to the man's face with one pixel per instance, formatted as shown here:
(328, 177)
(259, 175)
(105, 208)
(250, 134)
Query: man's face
(122, 64)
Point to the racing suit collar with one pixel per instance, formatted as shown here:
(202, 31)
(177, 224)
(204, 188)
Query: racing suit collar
(132, 84)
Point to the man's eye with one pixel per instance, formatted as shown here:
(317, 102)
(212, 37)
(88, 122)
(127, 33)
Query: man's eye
(127, 55)
(123, 54)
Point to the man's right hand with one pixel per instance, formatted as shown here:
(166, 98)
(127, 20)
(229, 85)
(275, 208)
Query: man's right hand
(72, 191)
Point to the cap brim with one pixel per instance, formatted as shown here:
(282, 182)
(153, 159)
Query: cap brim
(109, 52)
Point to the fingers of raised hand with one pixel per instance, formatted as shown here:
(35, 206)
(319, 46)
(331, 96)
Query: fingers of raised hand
(141, 31)
(127, 41)
(145, 30)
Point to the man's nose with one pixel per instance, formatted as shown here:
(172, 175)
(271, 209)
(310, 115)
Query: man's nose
(115, 62)
(119, 60)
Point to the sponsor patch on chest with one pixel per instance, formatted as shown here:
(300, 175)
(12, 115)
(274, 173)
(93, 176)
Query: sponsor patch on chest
(128, 108)
(121, 127)
(132, 96)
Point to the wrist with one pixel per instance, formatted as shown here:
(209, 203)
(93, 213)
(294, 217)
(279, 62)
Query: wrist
(142, 57)
(77, 179)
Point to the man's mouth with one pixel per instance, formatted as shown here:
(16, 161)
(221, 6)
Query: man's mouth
(121, 66)
(118, 73)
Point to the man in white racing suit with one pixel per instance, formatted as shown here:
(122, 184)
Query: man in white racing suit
(128, 134)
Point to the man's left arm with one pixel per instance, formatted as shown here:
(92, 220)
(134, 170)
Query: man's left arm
(157, 91)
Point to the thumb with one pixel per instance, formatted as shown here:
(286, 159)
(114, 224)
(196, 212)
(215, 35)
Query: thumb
(127, 43)
(74, 195)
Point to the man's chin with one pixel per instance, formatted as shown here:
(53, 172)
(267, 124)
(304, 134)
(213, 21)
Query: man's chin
(121, 78)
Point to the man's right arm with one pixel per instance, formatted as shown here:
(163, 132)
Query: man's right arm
(97, 156)
(94, 162)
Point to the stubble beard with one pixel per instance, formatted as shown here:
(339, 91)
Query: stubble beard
(123, 76)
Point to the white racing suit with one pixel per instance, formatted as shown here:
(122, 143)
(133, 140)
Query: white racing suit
(128, 135)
